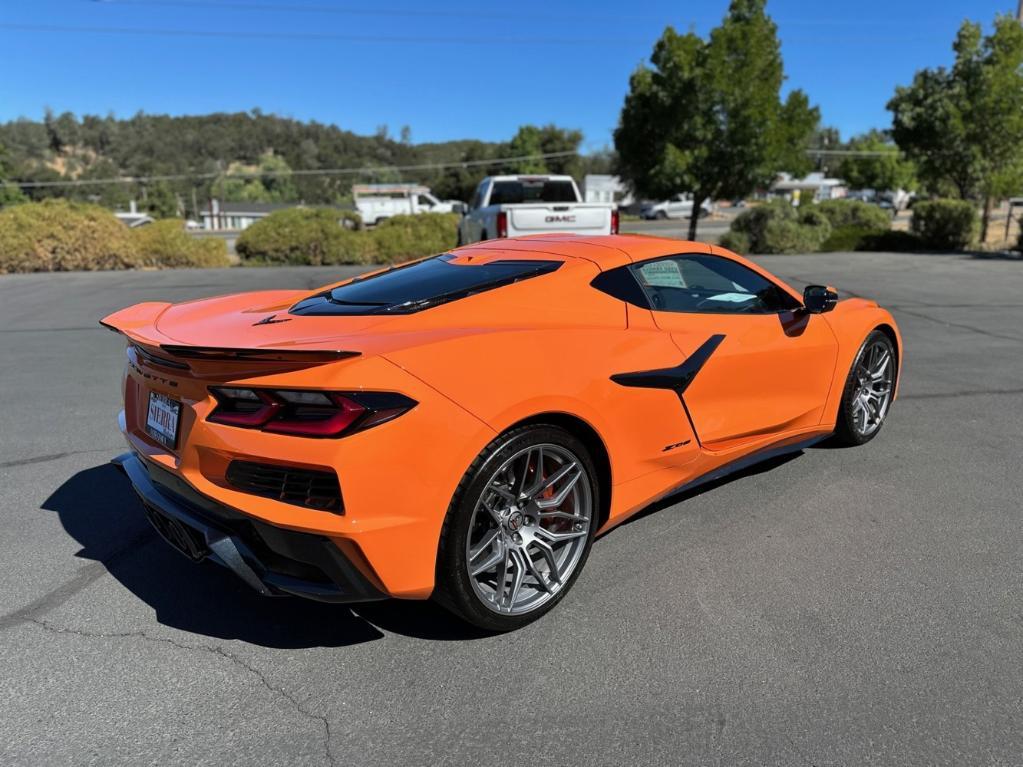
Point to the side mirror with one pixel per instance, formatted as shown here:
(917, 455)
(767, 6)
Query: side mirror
(818, 299)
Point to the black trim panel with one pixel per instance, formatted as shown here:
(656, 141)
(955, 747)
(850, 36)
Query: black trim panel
(678, 378)
(270, 559)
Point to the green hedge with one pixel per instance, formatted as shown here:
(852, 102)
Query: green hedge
(318, 236)
(57, 236)
(778, 227)
(945, 224)
(166, 244)
(849, 213)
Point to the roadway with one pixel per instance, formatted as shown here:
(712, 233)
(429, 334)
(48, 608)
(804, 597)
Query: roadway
(837, 607)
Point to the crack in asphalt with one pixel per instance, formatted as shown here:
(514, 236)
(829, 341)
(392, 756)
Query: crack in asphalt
(53, 457)
(964, 393)
(962, 326)
(211, 650)
(81, 580)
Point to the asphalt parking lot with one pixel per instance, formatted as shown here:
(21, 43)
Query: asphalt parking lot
(838, 607)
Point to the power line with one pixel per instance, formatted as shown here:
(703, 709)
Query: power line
(366, 170)
(319, 37)
(475, 40)
(352, 10)
(371, 170)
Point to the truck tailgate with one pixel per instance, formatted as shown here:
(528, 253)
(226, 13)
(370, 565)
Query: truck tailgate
(580, 219)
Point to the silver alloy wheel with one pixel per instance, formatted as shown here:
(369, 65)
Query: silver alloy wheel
(875, 375)
(529, 529)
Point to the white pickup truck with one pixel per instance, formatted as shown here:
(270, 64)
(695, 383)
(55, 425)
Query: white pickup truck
(512, 206)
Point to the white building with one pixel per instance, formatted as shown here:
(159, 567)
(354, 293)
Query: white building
(814, 187)
(603, 188)
(237, 216)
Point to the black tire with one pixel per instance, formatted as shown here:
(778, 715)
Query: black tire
(459, 242)
(847, 432)
(483, 235)
(660, 215)
(454, 589)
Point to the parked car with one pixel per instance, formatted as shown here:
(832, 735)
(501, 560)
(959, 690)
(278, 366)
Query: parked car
(464, 426)
(512, 206)
(375, 202)
(679, 206)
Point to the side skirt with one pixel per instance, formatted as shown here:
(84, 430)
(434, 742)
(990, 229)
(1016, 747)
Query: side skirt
(766, 453)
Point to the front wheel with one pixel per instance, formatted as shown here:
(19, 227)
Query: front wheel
(519, 528)
(868, 391)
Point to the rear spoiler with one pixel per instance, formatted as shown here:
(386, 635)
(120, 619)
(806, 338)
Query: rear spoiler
(223, 353)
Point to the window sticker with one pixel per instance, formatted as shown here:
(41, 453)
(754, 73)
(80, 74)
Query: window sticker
(663, 274)
(736, 298)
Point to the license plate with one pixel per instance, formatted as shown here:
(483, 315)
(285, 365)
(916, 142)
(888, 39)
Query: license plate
(162, 419)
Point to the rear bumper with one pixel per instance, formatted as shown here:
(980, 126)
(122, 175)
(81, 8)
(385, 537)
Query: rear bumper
(272, 560)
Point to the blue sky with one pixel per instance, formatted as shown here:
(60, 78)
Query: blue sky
(448, 70)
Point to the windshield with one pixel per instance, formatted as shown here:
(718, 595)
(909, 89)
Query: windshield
(418, 286)
(532, 190)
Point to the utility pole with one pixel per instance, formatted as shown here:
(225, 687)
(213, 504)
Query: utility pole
(1019, 12)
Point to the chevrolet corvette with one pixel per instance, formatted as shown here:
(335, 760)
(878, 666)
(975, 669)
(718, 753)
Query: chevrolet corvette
(461, 427)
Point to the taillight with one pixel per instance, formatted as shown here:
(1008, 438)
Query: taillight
(614, 221)
(502, 224)
(306, 413)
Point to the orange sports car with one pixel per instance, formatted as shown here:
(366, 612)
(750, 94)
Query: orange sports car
(463, 426)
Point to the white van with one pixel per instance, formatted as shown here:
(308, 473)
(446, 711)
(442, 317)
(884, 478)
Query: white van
(375, 202)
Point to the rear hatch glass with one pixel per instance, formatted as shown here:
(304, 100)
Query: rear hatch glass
(420, 285)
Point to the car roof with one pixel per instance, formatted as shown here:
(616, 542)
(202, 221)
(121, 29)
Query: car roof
(606, 251)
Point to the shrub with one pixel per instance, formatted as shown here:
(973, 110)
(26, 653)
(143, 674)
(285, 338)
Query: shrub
(403, 237)
(892, 241)
(57, 235)
(737, 242)
(315, 236)
(302, 236)
(778, 227)
(166, 243)
(845, 213)
(945, 224)
(847, 238)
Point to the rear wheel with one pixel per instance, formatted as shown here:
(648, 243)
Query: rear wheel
(519, 528)
(868, 391)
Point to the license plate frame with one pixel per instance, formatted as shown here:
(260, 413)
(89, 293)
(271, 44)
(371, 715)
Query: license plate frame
(163, 419)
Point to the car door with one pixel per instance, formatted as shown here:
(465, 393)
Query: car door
(759, 366)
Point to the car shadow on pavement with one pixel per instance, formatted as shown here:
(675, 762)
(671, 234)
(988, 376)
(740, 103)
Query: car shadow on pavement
(98, 508)
(685, 495)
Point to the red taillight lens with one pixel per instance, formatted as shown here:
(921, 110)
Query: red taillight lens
(502, 224)
(306, 413)
(615, 218)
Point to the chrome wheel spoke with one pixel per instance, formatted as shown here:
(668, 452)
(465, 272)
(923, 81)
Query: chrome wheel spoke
(562, 515)
(554, 572)
(518, 576)
(559, 497)
(557, 537)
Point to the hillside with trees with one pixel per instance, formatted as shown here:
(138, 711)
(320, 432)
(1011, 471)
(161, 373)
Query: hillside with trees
(252, 156)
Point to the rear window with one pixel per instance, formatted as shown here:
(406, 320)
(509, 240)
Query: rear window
(419, 286)
(527, 190)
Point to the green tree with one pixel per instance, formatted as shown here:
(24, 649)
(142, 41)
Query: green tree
(534, 142)
(708, 118)
(161, 202)
(884, 169)
(10, 194)
(964, 126)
